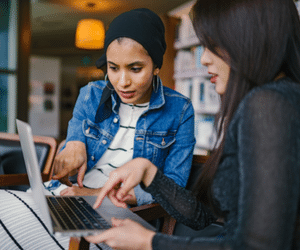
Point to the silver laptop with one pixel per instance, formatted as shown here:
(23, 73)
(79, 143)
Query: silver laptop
(68, 215)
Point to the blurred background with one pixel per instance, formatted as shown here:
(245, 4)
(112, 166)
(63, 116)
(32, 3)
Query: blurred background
(48, 50)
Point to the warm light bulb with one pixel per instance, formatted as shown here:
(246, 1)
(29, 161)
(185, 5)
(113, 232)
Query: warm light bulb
(90, 34)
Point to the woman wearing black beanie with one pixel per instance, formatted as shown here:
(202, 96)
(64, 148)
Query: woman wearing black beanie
(130, 114)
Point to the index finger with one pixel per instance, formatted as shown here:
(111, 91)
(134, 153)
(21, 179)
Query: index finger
(62, 174)
(108, 186)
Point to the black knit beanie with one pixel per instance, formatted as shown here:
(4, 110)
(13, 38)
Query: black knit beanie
(141, 25)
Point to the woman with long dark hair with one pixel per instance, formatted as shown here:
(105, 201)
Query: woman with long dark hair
(252, 179)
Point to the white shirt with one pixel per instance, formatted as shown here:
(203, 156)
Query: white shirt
(120, 150)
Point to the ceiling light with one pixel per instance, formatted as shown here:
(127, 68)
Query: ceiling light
(90, 34)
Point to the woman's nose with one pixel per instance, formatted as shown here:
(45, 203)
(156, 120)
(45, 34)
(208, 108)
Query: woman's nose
(124, 80)
(205, 58)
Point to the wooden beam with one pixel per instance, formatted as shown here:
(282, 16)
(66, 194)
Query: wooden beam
(167, 71)
(24, 44)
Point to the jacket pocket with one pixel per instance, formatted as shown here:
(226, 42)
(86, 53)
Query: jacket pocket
(91, 130)
(158, 147)
(95, 140)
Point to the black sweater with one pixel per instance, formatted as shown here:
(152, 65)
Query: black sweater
(257, 183)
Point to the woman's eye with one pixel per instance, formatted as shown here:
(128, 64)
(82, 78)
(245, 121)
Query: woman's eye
(113, 68)
(136, 69)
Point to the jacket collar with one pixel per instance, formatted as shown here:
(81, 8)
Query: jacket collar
(157, 99)
(110, 101)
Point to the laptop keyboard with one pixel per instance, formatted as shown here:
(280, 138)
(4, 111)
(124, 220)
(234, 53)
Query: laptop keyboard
(75, 213)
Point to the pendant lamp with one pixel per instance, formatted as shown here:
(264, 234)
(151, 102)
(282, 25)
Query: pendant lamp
(90, 34)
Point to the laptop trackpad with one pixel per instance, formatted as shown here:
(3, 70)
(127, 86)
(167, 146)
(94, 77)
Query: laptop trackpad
(108, 210)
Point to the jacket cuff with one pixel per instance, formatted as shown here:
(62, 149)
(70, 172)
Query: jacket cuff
(142, 197)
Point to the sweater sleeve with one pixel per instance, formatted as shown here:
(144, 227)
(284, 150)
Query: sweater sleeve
(173, 198)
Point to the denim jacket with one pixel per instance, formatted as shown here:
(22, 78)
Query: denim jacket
(164, 133)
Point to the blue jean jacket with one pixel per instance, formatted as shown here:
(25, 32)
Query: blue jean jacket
(164, 133)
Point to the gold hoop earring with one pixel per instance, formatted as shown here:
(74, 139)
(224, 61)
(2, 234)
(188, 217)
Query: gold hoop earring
(155, 83)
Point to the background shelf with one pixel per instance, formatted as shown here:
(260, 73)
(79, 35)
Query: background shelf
(198, 72)
(194, 41)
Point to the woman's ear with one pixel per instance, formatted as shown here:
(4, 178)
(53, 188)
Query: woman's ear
(156, 71)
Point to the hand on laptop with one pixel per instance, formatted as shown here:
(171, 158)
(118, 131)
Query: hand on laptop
(78, 191)
(130, 175)
(71, 160)
(125, 234)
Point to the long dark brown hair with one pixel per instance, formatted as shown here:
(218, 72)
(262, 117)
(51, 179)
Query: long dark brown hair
(258, 39)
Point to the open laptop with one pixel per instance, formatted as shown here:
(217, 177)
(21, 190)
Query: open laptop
(79, 218)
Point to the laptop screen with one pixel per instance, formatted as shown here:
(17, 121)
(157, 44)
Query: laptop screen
(33, 171)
